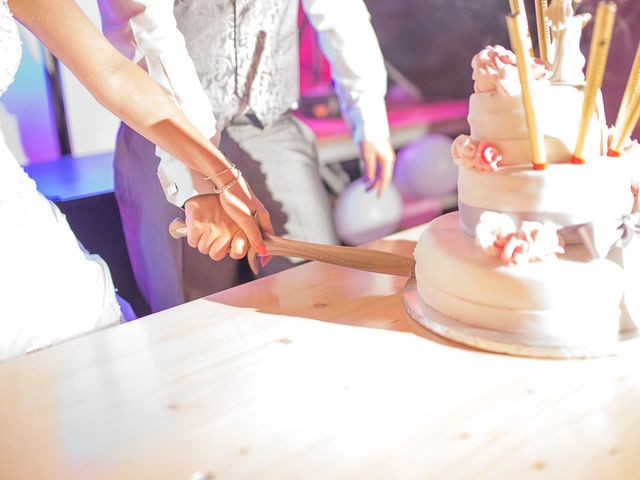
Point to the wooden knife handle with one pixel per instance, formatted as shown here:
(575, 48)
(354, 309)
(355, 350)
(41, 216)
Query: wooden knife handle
(350, 257)
(177, 229)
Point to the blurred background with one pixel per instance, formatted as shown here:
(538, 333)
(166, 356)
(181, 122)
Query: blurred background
(430, 43)
(65, 138)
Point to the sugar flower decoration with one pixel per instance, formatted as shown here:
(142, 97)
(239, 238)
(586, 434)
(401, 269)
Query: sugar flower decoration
(487, 158)
(629, 146)
(495, 70)
(469, 153)
(499, 237)
(492, 232)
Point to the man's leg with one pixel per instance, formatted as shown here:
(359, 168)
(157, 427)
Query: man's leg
(156, 258)
(168, 271)
(280, 163)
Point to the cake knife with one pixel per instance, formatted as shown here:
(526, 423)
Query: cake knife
(351, 257)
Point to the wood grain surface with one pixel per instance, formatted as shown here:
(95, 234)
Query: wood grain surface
(313, 373)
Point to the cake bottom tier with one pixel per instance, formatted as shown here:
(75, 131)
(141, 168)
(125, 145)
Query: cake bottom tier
(570, 297)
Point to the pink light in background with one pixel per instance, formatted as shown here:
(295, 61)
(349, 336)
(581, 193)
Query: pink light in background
(314, 69)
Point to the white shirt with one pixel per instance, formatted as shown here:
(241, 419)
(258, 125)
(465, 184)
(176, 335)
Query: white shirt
(146, 31)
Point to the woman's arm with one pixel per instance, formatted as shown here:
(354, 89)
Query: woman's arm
(146, 32)
(128, 91)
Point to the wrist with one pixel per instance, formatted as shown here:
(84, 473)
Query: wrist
(225, 177)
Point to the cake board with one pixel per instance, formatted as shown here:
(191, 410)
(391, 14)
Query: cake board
(506, 342)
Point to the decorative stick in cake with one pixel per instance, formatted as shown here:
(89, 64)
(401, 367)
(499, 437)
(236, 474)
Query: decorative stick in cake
(631, 91)
(544, 36)
(517, 38)
(598, 52)
(628, 124)
(517, 7)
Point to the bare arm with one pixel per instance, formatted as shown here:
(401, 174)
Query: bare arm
(127, 91)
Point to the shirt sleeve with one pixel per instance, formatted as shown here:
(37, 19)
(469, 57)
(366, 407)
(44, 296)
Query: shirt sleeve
(153, 40)
(349, 42)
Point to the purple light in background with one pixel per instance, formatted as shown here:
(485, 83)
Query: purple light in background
(28, 99)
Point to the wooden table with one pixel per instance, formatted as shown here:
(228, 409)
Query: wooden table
(314, 373)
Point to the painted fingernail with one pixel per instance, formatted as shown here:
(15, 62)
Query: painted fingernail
(265, 260)
(262, 249)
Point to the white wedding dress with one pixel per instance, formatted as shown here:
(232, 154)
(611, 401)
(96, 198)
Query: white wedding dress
(50, 289)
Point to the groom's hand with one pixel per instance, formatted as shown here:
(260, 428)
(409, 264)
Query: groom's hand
(378, 158)
(211, 230)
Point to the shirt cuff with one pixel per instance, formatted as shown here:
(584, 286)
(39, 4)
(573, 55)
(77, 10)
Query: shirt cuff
(179, 182)
(368, 120)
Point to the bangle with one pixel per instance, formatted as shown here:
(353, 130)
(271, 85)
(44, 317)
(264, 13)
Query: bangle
(229, 184)
(229, 169)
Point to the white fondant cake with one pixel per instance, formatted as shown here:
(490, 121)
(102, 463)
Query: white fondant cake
(563, 193)
(500, 120)
(549, 253)
(568, 297)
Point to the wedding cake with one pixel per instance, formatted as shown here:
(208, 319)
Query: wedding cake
(546, 252)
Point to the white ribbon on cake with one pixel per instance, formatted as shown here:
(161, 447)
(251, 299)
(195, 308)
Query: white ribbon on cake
(617, 240)
(602, 235)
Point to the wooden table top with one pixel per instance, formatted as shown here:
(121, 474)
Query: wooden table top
(314, 373)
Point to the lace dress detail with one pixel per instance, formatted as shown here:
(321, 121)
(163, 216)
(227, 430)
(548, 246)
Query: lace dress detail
(10, 47)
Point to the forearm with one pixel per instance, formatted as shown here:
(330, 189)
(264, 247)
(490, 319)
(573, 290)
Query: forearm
(155, 116)
(119, 85)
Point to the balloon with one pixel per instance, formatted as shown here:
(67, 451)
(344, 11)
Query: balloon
(417, 212)
(361, 216)
(425, 168)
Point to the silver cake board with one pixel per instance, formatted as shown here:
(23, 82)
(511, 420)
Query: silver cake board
(506, 342)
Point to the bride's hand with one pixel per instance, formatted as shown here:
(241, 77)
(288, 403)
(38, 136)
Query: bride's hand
(244, 208)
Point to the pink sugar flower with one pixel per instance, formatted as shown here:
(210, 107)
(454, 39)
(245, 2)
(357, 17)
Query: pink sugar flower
(493, 231)
(495, 70)
(463, 149)
(516, 251)
(487, 158)
(542, 238)
(469, 153)
(498, 237)
(539, 69)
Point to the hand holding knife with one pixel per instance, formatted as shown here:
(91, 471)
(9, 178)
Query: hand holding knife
(351, 257)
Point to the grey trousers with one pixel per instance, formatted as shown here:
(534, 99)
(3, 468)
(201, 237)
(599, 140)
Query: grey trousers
(280, 163)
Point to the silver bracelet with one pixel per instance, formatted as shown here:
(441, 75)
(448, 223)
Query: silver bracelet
(228, 185)
(229, 169)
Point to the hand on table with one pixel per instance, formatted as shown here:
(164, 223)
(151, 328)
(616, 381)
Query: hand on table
(211, 230)
(378, 158)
